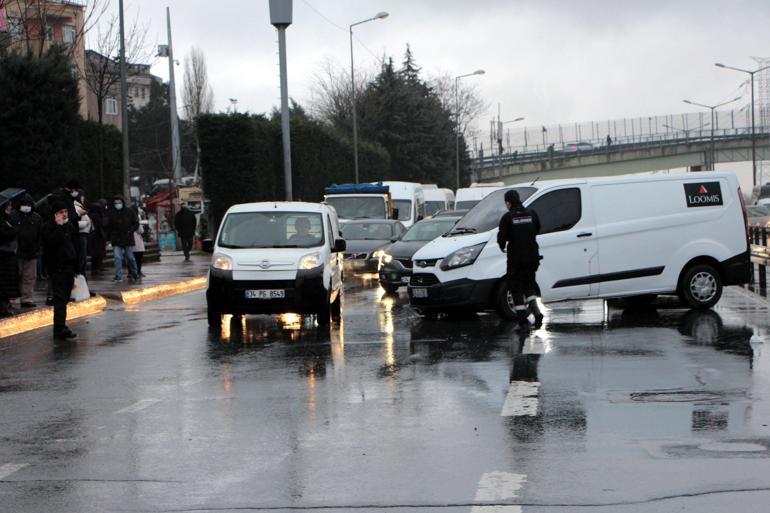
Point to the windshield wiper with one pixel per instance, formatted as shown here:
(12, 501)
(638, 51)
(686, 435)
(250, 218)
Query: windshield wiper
(463, 230)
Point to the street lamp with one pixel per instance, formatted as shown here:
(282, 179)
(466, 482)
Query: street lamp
(379, 16)
(457, 119)
(712, 108)
(753, 137)
(500, 125)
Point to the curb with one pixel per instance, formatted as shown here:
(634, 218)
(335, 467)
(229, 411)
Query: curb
(44, 316)
(132, 297)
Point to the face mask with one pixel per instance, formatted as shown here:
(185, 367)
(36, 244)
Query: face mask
(118, 206)
(25, 209)
(74, 194)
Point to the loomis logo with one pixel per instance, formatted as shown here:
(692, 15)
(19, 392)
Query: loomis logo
(703, 194)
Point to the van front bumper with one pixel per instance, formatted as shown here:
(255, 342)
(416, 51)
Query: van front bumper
(305, 294)
(462, 293)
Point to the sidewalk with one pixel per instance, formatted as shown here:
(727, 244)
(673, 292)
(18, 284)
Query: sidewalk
(172, 275)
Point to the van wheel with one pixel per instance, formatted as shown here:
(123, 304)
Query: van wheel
(215, 318)
(325, 313)
(389, 289)
(701, 286)
(336, 308)
(504, 302)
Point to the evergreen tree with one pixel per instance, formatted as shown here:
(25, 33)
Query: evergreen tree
(39, 121)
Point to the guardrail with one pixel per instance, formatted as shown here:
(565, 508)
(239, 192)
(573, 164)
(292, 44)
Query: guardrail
(760, 259)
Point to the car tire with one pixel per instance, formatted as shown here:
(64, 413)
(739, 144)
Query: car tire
(643, 301)
(503, 302)
(336, 307)
(389, 289)
(325, 313)
(701, 286)
(214, 317)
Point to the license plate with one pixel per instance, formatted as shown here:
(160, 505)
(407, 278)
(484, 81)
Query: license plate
(420, 293)
(405, 279)
(265, 294)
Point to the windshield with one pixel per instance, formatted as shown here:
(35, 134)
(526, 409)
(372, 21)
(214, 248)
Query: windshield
(758, 210)
(367, 231)
(431, 207)
(404, 208)
(428, 230)
(486, 215)
(272, 230)
(358, 207)
(466, 205)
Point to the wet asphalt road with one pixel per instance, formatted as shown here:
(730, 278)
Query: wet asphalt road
(602, 410)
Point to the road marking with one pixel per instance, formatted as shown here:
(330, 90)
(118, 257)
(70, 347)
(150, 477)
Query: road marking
(522, 399)
(498, 487)
(138, 406)
(10, 468)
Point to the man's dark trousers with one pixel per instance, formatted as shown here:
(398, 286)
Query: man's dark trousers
(187, 244)
(61, 284)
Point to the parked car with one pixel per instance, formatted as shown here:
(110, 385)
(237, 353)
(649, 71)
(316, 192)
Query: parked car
(272, 258)
(366, 239)
(396, 260)
(759, 215)
(632, 236)
(578, 147)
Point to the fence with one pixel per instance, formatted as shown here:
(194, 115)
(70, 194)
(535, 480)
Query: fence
(760, 259)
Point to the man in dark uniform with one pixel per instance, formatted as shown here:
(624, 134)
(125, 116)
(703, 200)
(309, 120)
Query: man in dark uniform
(518, 231)
(60, 257)
(185, 223)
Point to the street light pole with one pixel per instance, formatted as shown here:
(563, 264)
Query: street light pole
(753, 134)
(124, 108)
(176, 159)
(281, 18)
(379, 16)
(712, 108)
(457, 121)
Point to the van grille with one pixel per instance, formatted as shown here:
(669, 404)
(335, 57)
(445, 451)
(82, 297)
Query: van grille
(423, 280)
(431, 262)
(406, 262)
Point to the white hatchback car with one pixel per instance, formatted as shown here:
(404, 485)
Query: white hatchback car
(277, 257)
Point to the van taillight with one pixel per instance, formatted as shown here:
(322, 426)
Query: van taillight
(745, 217)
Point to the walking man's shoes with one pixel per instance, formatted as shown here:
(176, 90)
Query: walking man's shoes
(65, 334)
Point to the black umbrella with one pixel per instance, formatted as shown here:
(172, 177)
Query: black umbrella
(9, 194)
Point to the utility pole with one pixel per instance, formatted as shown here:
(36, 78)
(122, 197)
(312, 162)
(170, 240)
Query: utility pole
(176, 160)
(281, 18)
(124, 107)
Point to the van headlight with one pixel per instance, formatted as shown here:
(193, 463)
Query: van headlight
(310, 261)
(222, 262)
(462, 257)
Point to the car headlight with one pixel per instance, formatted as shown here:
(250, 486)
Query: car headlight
(462, 257)
(386, 258)
(222, 262)
(310, 261)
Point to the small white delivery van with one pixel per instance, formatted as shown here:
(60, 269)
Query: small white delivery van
(408, 200)
(276, 257)
(631, 236)
(437, 199)
(468, 197)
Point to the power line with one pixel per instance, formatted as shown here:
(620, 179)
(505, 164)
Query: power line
(335, 25)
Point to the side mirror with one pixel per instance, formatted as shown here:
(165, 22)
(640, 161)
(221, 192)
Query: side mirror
(207, 245)
(339, 246)
(394, 240)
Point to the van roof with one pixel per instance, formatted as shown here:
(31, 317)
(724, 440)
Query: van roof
(278, 206)
(673, 177)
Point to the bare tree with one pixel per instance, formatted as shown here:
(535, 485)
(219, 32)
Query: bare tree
(102, 69)
(331, 94)
(471, 104)
(197, 95)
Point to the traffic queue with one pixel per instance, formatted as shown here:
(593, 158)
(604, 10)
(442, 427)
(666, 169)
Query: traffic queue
(629, 237)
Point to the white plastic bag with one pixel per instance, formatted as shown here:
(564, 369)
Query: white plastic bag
(80, 290)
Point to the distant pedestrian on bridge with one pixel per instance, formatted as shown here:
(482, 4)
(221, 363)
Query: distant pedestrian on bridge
(609, 142)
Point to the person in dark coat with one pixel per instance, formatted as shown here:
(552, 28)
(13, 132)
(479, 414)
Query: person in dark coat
(30, 226)
(67, 195)
(517, 236)
(98, 242)
(60, 258)
(121, 224)
(9, 266)
(185, 223)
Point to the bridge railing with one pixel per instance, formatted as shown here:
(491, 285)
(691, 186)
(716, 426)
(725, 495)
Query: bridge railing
(760, 259)
(538, 153)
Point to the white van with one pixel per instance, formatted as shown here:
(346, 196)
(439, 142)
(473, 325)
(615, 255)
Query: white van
(437, 199)
(634, 236)
(468, 197)
(409, 200)
(274, 258)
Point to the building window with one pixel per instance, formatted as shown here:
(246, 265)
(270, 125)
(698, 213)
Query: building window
(111, 106)
(142, 90)
(68, 34)
(48, 33)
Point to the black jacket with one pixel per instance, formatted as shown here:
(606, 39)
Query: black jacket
(518, 230)
(30, 228)
(120, 226)
(185, 223)
(8, 234)
(60, 246)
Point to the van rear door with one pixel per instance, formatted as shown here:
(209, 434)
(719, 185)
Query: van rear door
(567, 243)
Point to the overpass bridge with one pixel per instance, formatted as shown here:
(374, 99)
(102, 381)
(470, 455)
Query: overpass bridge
(652, 144)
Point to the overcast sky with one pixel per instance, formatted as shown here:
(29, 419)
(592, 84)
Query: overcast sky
(549, 61)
